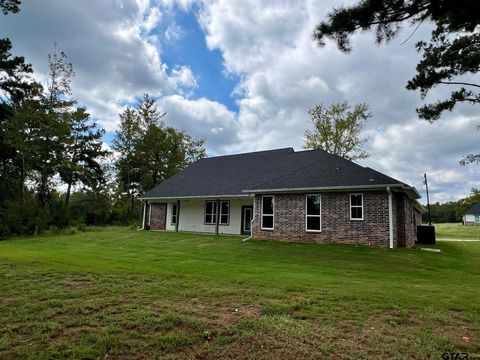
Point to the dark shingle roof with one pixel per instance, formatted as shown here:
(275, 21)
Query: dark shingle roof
(273, 169)
(474, 210)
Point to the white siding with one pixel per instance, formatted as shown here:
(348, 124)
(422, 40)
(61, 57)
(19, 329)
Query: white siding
(470, 218)
(192, 217)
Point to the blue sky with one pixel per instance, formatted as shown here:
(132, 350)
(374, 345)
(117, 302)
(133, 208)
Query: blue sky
(207, 65)
(193, 54)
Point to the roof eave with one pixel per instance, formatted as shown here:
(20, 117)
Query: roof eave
(179, 197)
(324, 188)
(408, 189)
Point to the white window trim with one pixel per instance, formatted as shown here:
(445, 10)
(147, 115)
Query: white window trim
(307, 216)
(272, 215)
(213, 214)
(220, 213)
(356, 206)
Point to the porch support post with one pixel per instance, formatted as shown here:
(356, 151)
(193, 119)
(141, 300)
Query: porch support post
(177, 216)
(143, 214)
(217, 216)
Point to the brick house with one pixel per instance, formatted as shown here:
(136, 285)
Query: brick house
(303, 196)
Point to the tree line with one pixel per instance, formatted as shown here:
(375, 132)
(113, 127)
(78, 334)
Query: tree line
(49, 142)
(452, 211)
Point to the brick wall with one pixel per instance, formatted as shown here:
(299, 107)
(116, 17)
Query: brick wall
(336, 223)
(289, 223)
(158, 216)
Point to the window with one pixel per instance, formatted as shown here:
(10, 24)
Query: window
(210, 212)
(267, 212)
(224, 212)
(174, 214)
(356, 206)
(313, 213)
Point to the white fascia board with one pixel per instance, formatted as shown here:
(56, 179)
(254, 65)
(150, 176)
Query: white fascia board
(197, 197)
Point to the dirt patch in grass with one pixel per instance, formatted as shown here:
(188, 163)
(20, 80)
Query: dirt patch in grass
(228, 315)
(70, 332)
(7, 299)
(460, 332)
(77, 283)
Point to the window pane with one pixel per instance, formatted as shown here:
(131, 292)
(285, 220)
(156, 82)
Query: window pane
(313, 223)
(224, 219)
(356, 200)
(224, 207)
(356, 212)
(313, 205)
(267, 221)
(209, 207)
(267, 205)
(208, 219)
(214, 218)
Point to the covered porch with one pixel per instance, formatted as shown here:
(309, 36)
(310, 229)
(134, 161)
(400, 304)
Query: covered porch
(215, 215)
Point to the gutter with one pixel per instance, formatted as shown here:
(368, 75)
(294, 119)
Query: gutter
(390, 218)
(251, 223)
(328, 188)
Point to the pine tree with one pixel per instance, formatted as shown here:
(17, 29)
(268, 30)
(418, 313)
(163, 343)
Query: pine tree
(83, 153)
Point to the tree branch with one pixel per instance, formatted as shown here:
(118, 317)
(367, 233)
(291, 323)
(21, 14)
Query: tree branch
(458, 83)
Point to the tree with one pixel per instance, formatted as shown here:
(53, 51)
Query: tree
(337, 130)
(452, 54)
(150, 152)
(49, 124)
(125, 144)
(8, 6)
(83, 153)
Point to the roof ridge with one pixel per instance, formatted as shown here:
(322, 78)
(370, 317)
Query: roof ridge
(248, 153)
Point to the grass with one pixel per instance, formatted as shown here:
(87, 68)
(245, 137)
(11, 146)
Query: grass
(457, 230)
(126, 294)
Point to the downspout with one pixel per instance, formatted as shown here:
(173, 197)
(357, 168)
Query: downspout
(149, 214)
(251, 223)
(390, 218)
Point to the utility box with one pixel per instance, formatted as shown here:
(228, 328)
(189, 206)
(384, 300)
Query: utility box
(426, 234)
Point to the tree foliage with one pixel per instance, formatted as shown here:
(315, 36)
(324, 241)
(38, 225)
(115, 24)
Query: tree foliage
(453, 211)
(10, 6)
(149, 151)
(337, 130)
(451, 55)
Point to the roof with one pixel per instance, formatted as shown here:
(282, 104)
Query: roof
(474, 210)
(281, 169)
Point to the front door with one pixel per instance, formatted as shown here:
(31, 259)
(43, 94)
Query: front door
(247, 214)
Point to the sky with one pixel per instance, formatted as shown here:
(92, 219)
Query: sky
(243, 74)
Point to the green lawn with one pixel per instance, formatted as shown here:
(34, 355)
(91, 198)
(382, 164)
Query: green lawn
(457, 230)
(126, 294)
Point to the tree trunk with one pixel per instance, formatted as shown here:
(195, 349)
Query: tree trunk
(67, 195)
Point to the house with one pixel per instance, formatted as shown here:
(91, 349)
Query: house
(303, 196)
(472, 215)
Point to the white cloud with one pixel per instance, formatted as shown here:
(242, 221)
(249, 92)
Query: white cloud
(116, 56)
(201, 118)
